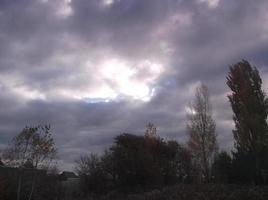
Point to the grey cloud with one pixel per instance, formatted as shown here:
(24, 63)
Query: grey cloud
(42, 51)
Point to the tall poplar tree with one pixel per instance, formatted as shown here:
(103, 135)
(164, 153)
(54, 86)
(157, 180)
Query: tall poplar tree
(250, 106)
(201, 129)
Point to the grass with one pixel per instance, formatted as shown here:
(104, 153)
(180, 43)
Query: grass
(195, 192)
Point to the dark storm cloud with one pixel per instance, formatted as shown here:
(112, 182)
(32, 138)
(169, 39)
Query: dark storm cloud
(124, 26)
(52, 56)
(219, 37)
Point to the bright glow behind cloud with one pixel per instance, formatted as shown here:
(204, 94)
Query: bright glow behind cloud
(62, 8)
(127, 80)
(108, 2)
(211, 3)
(113, 79)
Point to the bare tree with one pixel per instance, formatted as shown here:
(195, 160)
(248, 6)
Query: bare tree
(92, 173)
(32, 148)
(201, 130)
(87, 164)
(150, 131)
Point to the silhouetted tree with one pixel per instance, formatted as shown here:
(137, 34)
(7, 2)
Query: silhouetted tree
(149, 163)
(92, 175)
(250, 107)
(150, 131)
(109, 167)
(34, 148)
(201, 130)
(222, 168)
(34, 144)
(135, 162)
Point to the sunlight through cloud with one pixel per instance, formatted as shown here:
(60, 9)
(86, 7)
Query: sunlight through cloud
(211, 3)
(108, 2)
(131, 81)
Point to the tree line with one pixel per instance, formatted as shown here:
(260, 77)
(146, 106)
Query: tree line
(145, 162)
(148, 161)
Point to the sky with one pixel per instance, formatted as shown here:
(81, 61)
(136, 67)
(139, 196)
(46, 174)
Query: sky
(93, 69)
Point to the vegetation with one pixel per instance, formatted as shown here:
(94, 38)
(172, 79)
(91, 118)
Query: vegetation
(250, 107)
(134, 163)
(30, 150)
(33, 147)
(150, 167)
(201, 129)
(222, 168)
(195, 192)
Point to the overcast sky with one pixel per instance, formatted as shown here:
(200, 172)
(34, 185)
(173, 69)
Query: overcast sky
(93, 69)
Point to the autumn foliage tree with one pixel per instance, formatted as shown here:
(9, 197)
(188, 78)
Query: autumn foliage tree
(33, 144)
(201, 131)
(32, 148)
(250, 107)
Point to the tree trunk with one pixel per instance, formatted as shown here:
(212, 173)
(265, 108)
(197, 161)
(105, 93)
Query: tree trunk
(19, 183)
(33, 184)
